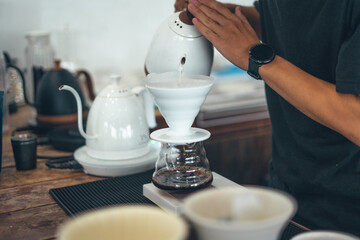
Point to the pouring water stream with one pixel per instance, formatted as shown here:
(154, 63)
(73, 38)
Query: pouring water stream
(181, 66)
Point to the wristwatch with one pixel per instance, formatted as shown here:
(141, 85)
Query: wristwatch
(259, 55)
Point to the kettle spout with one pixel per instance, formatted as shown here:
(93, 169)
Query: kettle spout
(79, 110)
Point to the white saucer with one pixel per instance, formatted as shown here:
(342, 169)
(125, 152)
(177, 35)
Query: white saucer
(115, 168)
(164, 135)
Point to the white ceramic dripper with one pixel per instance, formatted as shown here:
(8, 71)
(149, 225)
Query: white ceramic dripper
(179, 101)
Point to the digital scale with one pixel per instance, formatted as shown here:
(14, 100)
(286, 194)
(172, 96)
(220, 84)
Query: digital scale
(173, 201)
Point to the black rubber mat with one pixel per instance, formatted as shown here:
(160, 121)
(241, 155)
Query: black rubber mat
(112, 191)
(291, 230)
(116, 191)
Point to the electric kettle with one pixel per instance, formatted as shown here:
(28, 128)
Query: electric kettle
(177, 40)
(118, 122)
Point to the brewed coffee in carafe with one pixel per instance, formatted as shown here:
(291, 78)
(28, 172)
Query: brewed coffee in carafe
(182, 167)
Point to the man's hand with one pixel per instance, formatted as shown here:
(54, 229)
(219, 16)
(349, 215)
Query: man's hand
(231, 34)
(180, 5)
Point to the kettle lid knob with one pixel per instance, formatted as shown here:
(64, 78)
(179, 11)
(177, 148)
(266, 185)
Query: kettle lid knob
(57, 63)
(115, 79)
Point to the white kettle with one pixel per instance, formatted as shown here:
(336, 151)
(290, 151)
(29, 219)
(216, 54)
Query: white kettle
(118, 123)
(177, 38)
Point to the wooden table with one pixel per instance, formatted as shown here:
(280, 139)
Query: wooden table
(27, 211)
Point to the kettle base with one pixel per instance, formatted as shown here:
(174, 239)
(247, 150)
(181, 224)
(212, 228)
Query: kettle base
(59, 119)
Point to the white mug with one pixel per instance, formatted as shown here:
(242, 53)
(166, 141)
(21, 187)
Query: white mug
(255, 213)
(324, 235)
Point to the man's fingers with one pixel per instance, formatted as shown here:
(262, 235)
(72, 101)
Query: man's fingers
(211, 13)
(245, 22)
(204, 30)
(210, 21)
(239, 14)
(219, 7)
(180, 5)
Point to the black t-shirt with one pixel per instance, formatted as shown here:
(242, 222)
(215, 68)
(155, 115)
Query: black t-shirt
(318, 166)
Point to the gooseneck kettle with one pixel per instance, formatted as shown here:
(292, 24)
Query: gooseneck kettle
(118, 122)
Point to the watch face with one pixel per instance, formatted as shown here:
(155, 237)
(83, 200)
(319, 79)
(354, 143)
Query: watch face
(262, 53)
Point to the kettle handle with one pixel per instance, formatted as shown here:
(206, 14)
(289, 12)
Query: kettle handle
(88, 81)
(149, 105)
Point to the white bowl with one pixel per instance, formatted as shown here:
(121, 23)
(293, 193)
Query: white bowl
(324, 235)
(212, 213)
(125, 222)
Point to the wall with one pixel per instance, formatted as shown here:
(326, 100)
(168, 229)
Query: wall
(106, 37)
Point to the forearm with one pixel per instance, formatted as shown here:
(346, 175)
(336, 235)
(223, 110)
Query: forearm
(314, 97)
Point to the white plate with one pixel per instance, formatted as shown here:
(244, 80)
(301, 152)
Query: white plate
(164, 135)
(115, 168)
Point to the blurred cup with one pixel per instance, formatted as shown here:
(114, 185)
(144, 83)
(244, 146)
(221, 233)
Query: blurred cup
(255, 213)
(24, 149)
(125, 222)
(324, 235)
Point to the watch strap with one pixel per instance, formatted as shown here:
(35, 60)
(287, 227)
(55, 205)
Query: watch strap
(253, 69)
